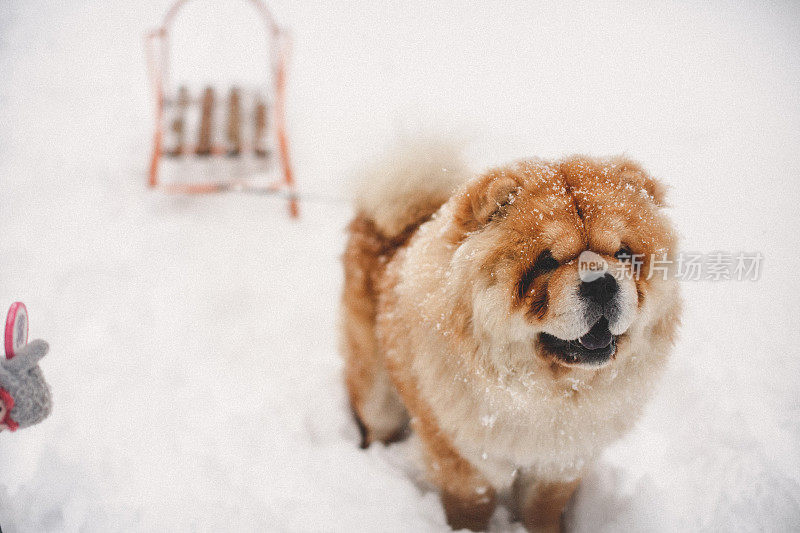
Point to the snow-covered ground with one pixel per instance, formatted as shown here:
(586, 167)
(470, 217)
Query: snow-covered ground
(193, 357)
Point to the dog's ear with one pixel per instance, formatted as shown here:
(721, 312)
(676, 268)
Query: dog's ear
(483, 200)
(631, 172)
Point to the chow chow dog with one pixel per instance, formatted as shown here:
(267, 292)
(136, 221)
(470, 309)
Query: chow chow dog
(465, 312)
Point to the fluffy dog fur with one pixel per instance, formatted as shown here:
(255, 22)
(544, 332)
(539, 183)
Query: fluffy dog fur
(453, 284)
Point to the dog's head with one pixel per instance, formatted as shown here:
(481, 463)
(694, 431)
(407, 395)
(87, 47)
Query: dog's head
(560, 254)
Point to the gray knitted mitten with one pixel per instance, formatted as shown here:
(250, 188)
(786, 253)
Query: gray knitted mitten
(24, 394)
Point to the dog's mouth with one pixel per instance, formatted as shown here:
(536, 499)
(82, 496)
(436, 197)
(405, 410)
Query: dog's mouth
(595, 349)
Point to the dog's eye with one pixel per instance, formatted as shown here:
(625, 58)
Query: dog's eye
(544, 263)
(624, 254)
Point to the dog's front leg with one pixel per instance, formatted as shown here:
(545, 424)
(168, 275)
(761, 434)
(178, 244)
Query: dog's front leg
(541, 503)
(467, 497)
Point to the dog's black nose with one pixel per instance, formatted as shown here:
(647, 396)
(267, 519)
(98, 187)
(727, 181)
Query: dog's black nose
(601, 290)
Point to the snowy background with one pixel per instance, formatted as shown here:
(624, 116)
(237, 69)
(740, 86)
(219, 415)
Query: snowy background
(193, 353)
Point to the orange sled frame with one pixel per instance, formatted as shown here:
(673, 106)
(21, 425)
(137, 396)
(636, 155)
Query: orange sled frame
(157, 56)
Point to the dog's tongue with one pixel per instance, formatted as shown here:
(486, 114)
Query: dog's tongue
(598, 337)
